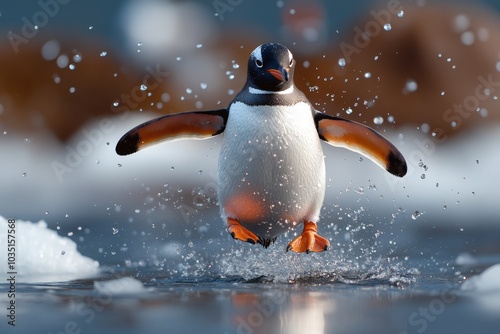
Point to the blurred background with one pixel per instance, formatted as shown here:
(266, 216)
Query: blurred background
(76, 75)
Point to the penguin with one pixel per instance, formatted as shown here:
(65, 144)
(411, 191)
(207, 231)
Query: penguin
(271, 171)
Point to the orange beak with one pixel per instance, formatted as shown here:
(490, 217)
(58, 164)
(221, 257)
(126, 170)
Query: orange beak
(281, 74)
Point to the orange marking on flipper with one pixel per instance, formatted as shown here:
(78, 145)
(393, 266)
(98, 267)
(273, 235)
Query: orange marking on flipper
(190, 125)
(309, 240)
(240, 232)
(362, 139)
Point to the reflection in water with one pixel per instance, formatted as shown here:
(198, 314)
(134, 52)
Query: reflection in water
(305, 315)
(279, 312)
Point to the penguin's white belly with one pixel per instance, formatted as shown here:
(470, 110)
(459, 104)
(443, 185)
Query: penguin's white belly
(271, 173)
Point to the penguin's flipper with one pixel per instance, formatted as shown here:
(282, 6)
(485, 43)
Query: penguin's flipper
(362, 139)
(188, 125)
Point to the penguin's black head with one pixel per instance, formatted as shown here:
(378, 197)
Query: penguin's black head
(270, 68)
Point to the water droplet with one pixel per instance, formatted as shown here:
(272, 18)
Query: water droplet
(422, 176)
(119, 165)
(468, 38)
(368, 75)
(77, 58)
(71, 67)
(411, 86)
(189, 90)
(477, 161)
(50, 50)
(91, 27)
(416, 214)
(72, 90)
(203, 85)
(137, 210)
(115, 230)
(425, 128)
(103, 53)
(306, 64)
(199, 46)
(401, 13)
(165, 97)
(70, 234)
(62, 61)
(342, 62)
(461, 23)
(387, 27)
(178, 58)
(116, 104)
(172, 168)
(292, 11)
(144, 87)
(348, 111)
(378, 120)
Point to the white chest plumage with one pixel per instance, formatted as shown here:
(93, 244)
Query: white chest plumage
(271, 173)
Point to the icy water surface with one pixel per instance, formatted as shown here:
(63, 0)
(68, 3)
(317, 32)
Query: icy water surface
(245, 289)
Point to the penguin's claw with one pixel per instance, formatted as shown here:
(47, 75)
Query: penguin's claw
(309, 240)
(239, 232)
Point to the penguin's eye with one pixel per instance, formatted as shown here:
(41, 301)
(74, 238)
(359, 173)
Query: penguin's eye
(258, 63)
(291, 62)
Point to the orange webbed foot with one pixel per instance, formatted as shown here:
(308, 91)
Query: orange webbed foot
(240, 232)
(309, 240)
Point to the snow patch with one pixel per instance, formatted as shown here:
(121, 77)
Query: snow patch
(485, 289)
(44, 256)
(121, 286)
(488, 281)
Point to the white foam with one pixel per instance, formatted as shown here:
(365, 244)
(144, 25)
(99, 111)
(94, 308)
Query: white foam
(42, 255)
(121, 286)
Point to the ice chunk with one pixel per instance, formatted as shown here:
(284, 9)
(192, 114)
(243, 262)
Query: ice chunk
(487, 281)
(485, 289)
(465, 259)
(121, 286)
(41, 255)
